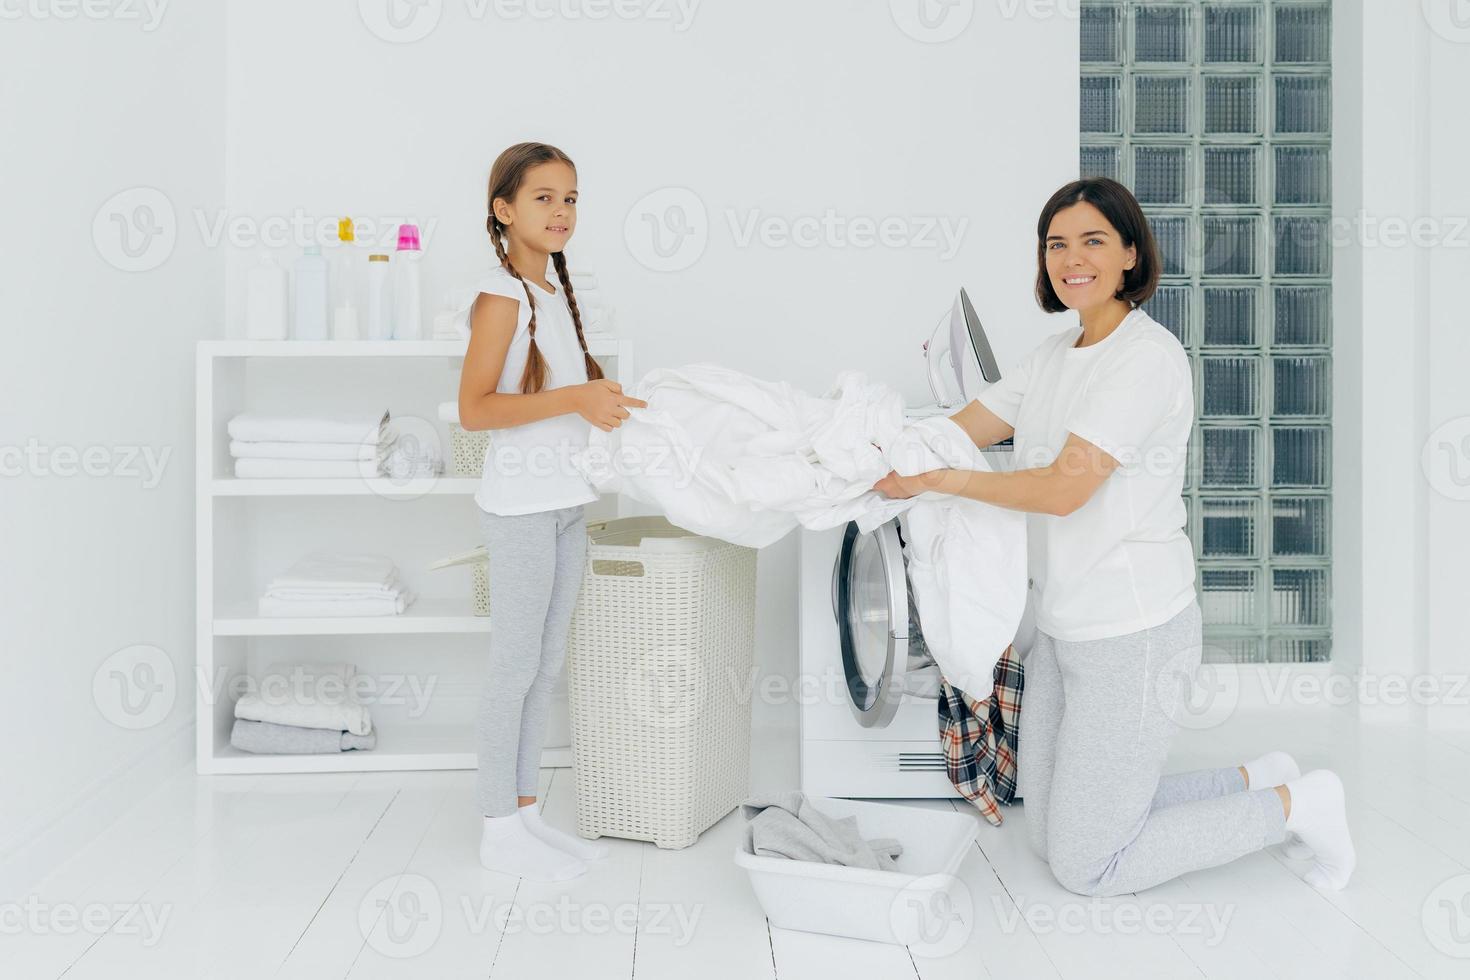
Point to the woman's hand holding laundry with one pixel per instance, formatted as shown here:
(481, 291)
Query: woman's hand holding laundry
(603, 403)
(901, 487)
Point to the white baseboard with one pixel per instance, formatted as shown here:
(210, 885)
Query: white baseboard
(70, 826)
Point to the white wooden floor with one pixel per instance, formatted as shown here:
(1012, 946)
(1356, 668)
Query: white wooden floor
(375, 875)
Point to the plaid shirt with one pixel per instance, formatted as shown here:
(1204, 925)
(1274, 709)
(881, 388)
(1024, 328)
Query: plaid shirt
(978, 737)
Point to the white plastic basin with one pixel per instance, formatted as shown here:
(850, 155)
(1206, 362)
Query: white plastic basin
(904, 906)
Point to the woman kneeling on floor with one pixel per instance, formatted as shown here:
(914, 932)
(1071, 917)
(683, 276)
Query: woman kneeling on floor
(1101, 414)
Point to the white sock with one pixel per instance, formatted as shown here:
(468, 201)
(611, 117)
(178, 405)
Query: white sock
(1319, 817)
(1271, 769)
(1296, 848)
(1277, 769)
(507, 845)
(586, 850)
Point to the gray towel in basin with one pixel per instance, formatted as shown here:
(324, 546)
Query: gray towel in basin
(787, 825)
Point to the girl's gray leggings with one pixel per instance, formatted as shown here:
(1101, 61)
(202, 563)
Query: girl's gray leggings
(1096, 720)
(536, 563)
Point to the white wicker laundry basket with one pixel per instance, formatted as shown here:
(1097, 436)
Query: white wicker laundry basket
(659, 662)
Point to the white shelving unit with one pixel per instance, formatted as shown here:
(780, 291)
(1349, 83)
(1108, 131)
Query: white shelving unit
(426, 663)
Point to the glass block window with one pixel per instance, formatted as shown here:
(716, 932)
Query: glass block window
(1217, 114)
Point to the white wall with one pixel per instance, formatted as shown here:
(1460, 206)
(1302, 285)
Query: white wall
(777, 109)
(758, 109)
(1402, 350)
(95, 356)
(1446, 147)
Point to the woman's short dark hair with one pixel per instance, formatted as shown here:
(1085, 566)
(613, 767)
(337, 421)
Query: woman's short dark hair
(1120, 207)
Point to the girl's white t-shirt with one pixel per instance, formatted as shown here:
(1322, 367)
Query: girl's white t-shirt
(528, 468)
(1121, 562)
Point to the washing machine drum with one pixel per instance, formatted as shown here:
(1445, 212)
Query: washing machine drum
(883, 652)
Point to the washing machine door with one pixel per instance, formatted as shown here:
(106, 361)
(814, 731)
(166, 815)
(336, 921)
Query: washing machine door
(871, 602)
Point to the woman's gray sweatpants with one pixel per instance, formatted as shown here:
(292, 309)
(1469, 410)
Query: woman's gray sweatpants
(1096, 721)
(536, 563)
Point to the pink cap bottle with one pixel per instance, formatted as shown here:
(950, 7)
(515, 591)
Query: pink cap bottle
(408, 314)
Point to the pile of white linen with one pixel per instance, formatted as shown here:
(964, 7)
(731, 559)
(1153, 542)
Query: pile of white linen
(325, 584)
(745, 460)
(308, 696)
(325, 446)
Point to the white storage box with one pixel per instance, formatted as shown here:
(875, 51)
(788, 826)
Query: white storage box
(659, 665)
(923, 903)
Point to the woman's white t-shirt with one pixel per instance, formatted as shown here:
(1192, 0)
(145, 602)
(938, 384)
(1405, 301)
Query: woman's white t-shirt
(528, 468)
(1121, 562)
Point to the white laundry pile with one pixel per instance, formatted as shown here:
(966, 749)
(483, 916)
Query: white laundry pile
(966, 559)
(746, 460)
(325, 584)
(326, 446)
(298, 697)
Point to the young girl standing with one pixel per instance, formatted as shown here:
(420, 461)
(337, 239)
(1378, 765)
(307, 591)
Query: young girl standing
(528, 376)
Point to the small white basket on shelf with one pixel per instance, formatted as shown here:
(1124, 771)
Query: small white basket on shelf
(659, 655)
(467, 450)
(479, 561)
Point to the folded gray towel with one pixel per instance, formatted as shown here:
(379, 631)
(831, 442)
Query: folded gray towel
(786, 825)
(267, 738)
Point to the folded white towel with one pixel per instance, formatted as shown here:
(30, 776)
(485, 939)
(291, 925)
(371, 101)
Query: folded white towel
(307, 696)
(401, 464)
(405, 470)
(305, 450)
(271, 606)
(330, 569)
(256, 427)
(284, 700)
(419, 454)
(306, 469)
(331, 594)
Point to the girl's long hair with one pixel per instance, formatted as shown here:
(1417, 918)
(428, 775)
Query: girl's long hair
(506, 176)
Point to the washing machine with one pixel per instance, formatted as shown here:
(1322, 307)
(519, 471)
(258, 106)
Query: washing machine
(867, 687)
